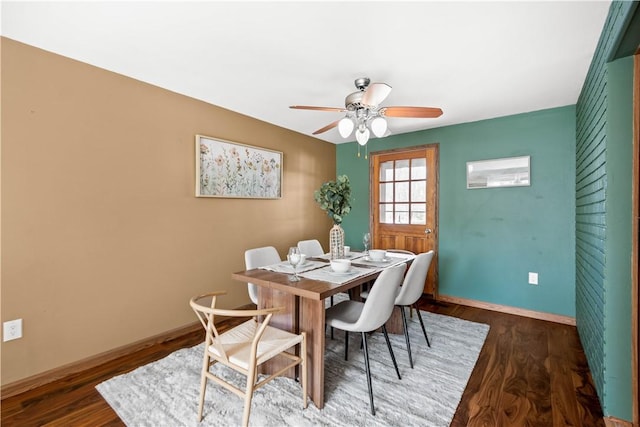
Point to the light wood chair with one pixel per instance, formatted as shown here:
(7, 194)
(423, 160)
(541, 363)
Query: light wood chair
(244, 348)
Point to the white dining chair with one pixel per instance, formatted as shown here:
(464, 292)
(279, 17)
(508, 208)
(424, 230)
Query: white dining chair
(310, 248)
(259, 257)
(364, 317)
(401, 251)
(411, 291)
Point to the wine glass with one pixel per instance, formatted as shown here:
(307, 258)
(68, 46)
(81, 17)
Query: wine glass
(294, 260)
(366, 241)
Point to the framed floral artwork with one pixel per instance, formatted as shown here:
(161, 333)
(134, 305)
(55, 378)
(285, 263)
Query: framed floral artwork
(230, 169)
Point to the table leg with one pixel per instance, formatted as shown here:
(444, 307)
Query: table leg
(394, 324)
(287, 321)
(312, 319)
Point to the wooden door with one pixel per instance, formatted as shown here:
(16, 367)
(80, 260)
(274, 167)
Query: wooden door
(404, 203)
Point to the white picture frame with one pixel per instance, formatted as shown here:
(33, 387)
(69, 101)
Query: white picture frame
(496, 173)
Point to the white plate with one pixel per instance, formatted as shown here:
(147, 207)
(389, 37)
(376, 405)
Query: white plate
(385, 259)
(335, 273)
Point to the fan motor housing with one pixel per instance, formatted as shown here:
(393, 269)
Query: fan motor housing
(353, 101)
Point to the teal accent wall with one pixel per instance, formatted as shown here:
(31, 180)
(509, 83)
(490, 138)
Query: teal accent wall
(489, 239)
(603, 215)
(617, 277)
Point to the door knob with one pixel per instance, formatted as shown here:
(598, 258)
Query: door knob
(428, 231)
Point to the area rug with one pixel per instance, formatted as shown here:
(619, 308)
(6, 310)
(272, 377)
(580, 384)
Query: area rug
(165, 392)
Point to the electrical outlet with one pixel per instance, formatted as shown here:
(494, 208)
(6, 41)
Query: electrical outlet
(533, 278)
(12, 330)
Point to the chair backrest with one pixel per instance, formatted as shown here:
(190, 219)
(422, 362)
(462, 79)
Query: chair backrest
(259, 257)
(310, 247)
(205, 308)
(380, 302)
(413, 284)
(401, 251)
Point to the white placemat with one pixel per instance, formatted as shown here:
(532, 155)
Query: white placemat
(352, 255)
(387, 262)
(285, 267)
(328, 275)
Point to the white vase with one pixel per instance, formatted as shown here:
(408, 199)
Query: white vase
(336, 242)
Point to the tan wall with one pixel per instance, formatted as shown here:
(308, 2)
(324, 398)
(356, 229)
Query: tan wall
(103, 241)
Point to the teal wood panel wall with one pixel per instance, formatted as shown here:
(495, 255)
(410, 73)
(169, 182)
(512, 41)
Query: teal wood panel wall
(618, 242)
(489, 239)
(603, 235)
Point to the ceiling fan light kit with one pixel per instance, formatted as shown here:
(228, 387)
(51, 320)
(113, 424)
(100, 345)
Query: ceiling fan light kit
(345, 127)
(364, 114)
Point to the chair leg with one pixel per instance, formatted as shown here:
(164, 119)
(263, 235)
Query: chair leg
(203, 384)
(366, 364)
(248, 395)
(393, 357)
(424, 331)
(346, 345)
(406, 334)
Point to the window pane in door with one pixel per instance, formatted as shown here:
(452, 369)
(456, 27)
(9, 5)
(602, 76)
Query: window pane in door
(402, 170)
(418, 191)
(419, 169)
(402, 213)
(386, 192)
(386, 213)
(418, 213)
(402, 192)
(386, 171)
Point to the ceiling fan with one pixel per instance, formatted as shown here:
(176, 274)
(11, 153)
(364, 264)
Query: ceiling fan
(364, 113)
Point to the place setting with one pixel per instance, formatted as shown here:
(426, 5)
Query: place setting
(382, 259)
(295, 263)
(347, 254)
(338, 271)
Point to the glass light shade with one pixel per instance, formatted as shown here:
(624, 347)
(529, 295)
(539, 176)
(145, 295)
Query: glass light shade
(379, 126)
(362, 136)
(345, 127)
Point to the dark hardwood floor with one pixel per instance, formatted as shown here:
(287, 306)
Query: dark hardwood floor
(529, 373)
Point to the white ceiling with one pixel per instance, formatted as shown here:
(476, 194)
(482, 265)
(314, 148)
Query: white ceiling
(475, 60)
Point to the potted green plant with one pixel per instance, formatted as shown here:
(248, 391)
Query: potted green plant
(334, 197)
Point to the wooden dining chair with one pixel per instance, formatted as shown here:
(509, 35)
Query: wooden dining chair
(364, 317)
(259, 257)
(244, 348)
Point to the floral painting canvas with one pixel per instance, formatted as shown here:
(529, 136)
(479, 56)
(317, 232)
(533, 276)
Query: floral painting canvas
(228, 169)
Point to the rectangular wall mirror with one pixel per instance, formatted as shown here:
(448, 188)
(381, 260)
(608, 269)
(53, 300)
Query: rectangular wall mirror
(506, 172)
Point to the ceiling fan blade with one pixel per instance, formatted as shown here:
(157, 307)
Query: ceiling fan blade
(327, 127)
(417, 112)
(375, 94)
(308, 107)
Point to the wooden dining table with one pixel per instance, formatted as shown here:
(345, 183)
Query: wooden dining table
(304, 303)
